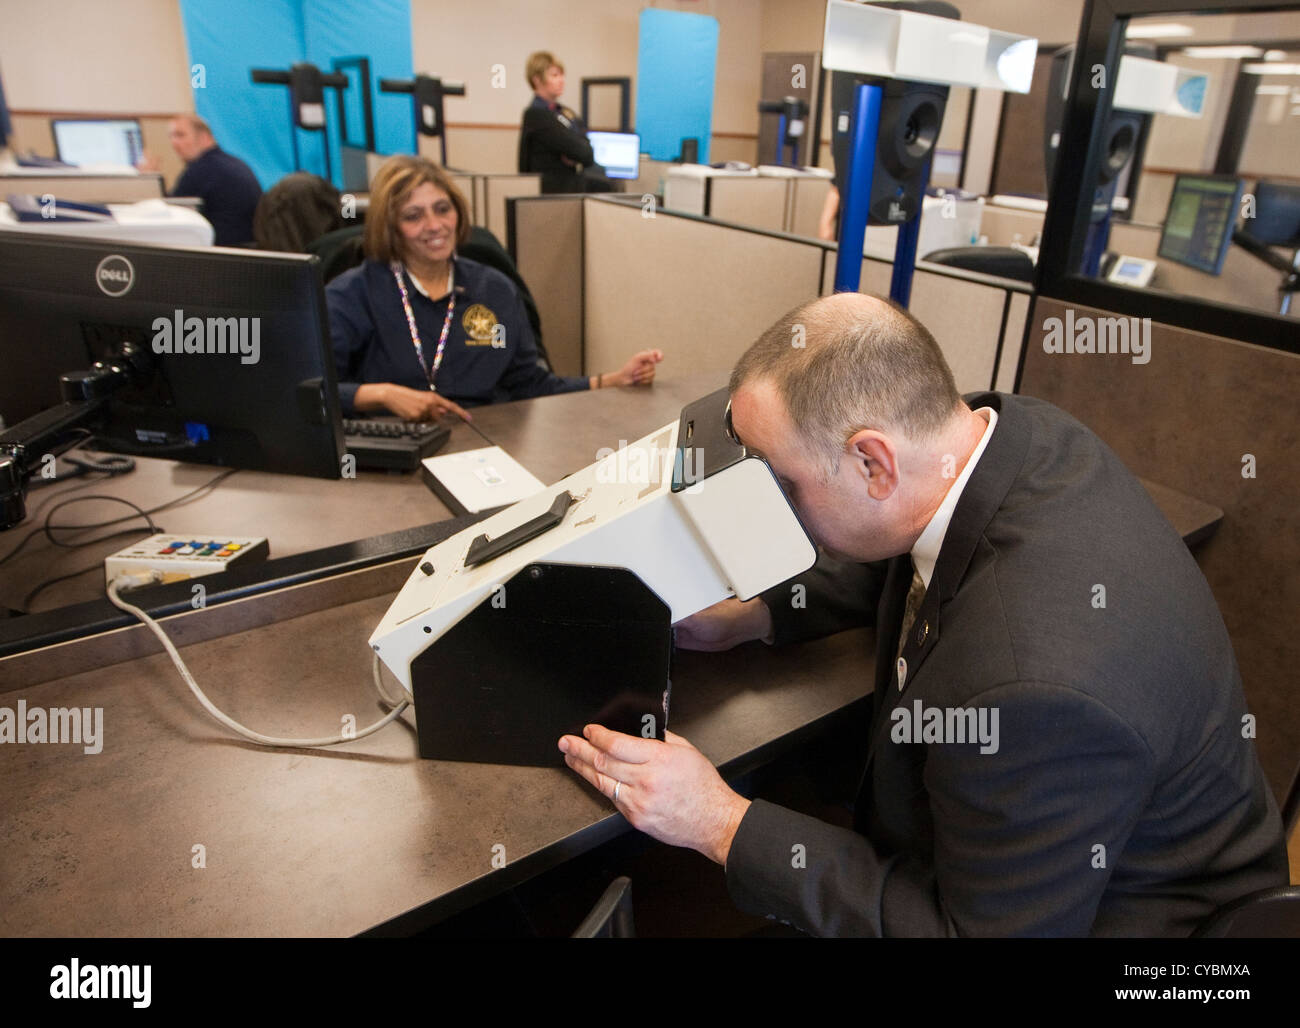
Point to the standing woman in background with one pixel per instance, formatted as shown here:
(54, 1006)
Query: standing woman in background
(418, 331)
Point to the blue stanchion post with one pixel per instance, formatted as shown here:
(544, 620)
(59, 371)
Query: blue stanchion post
(900, 283)
(780, 139)
(1095, 245)
(857, 187)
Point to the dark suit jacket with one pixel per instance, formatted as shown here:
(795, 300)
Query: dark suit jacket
(544, 142)
(1124, 796)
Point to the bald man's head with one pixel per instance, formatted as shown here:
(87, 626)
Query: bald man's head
(847, 362)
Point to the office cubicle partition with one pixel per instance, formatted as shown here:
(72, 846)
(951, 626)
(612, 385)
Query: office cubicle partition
(544, 235)
(487, 195)
(87, 188)
(612, 279)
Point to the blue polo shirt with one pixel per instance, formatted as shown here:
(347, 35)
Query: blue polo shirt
(229, 191)
(490, 355)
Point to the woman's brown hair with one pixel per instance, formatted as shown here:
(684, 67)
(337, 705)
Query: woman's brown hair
(393, 184)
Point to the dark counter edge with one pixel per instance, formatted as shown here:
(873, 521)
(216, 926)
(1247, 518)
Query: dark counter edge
(34, 631)
(582, 841)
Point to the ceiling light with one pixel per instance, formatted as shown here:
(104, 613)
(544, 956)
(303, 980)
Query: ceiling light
(1159, 31)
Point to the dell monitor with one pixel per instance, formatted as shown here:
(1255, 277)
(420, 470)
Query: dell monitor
(235, 362)
(82, 141)
(619, 153)
(1198, 226)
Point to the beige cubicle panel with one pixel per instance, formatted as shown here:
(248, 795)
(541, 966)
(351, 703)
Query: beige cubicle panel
(963, 312)
(1013, 337)
(651, 178)
(700, 291)
(494, 190)
(1153, 193)
(757, 202)
(1003, 224)
(807, 199)
(87, 188)
(546, 241)
(468, 185)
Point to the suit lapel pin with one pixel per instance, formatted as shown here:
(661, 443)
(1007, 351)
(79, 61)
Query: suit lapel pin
(902, 673)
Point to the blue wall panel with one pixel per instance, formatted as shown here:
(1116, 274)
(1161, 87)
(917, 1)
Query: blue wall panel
(230, 37)
(676, 56)
(380, 30)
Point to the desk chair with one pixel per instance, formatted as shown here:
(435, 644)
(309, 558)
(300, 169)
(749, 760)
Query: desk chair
(1267, 914)
(1000, 261)
(611, 917)
(1276, 223)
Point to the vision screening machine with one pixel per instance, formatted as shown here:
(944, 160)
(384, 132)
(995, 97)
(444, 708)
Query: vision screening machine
(557, 611)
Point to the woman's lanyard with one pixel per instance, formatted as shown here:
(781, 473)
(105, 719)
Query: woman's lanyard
(410, 320)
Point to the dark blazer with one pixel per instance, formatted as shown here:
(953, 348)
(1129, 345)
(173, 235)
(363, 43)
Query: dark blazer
(546, 138)
(1124, 796)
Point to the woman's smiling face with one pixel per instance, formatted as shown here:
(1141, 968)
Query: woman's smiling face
(427, 221)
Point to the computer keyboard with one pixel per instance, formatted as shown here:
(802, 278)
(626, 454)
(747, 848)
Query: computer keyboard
(384, 445)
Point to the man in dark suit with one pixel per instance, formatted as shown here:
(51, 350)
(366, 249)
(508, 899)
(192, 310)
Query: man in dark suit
(1060, 743)
(553, 139)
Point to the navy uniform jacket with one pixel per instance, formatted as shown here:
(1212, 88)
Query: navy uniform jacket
(1124, 796)
(490, 354)
(229, 191)
(545, 140)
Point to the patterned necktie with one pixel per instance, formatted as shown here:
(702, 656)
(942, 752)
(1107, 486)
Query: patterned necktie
(914, 596)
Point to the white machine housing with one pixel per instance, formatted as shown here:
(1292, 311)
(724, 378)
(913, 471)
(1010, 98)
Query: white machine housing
(893, 44)
(730, 533)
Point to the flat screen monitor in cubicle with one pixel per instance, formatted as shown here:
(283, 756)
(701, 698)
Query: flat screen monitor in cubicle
(1198, 226)
(85, 141)
(619, 153)
(234, 362)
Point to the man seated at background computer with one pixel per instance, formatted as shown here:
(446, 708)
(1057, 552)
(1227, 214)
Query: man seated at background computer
(421, 332)
(1059, 743)
(226, 185)
(553, 139)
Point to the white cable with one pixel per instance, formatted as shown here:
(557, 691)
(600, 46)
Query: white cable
(265, 740)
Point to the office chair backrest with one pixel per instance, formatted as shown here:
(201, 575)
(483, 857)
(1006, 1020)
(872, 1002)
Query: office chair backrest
(1002, 261)
(484, 247)
(1277, 215)
(1267, 914)
(611, 917)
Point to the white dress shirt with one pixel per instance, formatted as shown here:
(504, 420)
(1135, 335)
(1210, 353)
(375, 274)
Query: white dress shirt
(926, 550)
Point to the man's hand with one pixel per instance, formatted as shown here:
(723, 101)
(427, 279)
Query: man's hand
(148, 162)
(668, 790)
(726, 624)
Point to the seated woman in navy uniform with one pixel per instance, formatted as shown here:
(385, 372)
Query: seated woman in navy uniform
(418, 331)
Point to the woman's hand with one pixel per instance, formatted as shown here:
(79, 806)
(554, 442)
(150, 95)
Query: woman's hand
(407, 404)
(639, 370)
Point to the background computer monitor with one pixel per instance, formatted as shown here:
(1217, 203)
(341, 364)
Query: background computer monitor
(65, 303)
(85, 141)
(619, 153)
(1198, 225)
